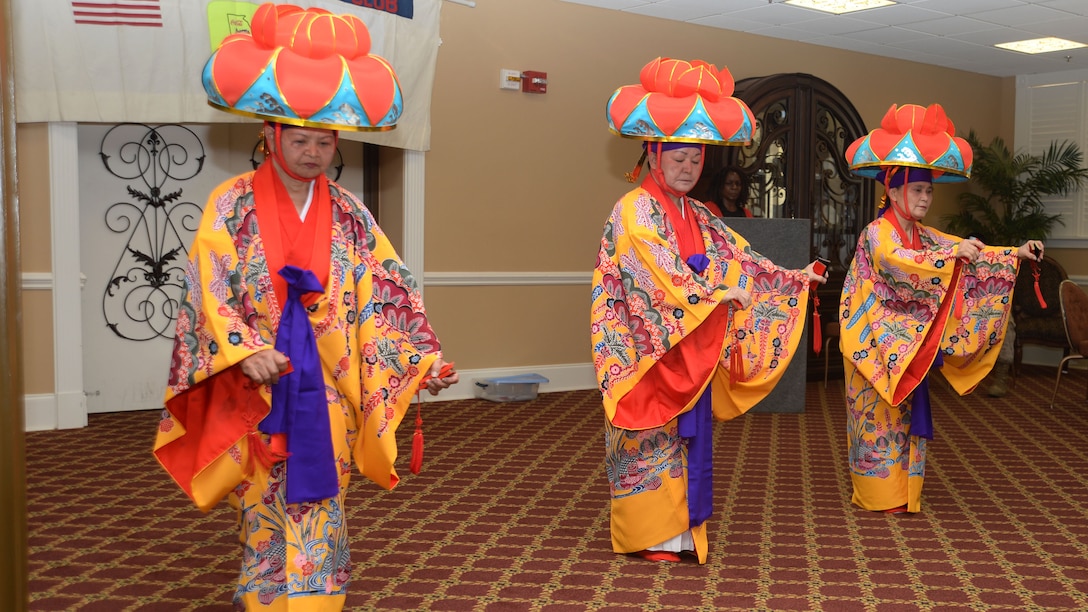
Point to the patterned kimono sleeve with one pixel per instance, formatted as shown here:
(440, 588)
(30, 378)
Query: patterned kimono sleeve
(766, 335)
(973, 337)
(209, 404)
(891, 303)
(659, 330)
(226, 299)
(394, 343)
(650, 310)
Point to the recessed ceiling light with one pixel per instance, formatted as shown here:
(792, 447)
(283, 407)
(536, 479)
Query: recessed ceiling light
(839, 7)
(1041, 45)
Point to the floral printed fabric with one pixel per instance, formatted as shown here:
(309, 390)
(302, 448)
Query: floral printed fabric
(895, 303)
(374, 343)
(661, 336)
(647, 302)
(294, 556)
(891, 298)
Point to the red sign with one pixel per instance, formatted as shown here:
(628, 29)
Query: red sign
(402, 8)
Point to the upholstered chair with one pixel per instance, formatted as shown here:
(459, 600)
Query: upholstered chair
(1035, 324)
(1074, 303)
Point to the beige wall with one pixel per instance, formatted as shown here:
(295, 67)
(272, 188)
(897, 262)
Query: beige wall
(32, 159)
(523, 182)
(1075, 261)
(391, 195)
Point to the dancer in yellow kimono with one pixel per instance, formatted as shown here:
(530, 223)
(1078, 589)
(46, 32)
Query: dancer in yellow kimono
(914, 300)
(301, 340)
(689, 323)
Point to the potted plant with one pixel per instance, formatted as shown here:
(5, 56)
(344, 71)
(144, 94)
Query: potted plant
(1010, 209)
(1008, 206)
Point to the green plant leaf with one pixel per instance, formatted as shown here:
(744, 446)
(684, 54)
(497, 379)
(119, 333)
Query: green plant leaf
(1007, 202)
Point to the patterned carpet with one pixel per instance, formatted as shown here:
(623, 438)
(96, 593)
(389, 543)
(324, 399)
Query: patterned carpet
(511, 513)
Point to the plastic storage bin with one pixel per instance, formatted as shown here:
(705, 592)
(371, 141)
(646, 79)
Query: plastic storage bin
(520, 388)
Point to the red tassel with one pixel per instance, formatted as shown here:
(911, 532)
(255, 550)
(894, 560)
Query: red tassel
(632, 176)
(417, 442)
(736, 367)
(817, 329)
(416, 463)
(1038, 291)
(263, 454)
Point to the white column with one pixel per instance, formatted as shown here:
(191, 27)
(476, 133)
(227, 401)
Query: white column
(67, 311)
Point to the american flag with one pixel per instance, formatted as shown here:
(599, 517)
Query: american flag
(146, 13)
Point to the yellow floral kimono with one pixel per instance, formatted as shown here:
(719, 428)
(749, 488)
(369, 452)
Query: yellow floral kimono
(661, 338)
(374, 346)
(903, 312)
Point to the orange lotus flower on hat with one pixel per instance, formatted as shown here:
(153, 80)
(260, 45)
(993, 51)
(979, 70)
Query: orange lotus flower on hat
(304, 67)
(681, 101)
(678, 79)
(915, 137)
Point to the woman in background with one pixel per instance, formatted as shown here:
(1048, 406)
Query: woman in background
(729, 192)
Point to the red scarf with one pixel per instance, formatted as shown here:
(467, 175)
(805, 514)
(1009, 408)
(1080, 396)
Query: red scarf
(289, 240)
(689, 237)
(913, 242)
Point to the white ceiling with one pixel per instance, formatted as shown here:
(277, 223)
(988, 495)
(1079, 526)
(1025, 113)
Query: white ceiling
(952, 33)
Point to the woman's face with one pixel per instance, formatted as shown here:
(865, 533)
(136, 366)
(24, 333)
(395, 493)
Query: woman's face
(308, 152)
(731, 187)
(919, 196)
(681, 167)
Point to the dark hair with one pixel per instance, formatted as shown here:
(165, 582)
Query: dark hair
(716, 185)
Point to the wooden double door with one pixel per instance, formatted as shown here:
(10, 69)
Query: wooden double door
(797, 170)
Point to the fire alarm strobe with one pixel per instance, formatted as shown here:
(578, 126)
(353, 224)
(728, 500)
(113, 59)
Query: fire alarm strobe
(534, 82)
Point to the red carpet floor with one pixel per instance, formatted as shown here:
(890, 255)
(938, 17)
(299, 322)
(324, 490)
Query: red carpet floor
(511, 513)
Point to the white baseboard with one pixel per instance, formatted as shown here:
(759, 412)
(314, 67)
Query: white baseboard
(561, 377)
(48, 411)
(40, 411)
(43, 409)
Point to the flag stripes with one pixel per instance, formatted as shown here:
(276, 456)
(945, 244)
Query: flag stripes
(146, 13)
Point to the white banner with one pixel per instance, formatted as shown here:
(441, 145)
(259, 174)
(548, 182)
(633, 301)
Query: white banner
(142, 61)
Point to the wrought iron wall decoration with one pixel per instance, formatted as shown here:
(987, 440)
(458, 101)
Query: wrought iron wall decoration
(140, 300)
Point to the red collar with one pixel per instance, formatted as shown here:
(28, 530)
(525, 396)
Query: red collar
(689, 236)
(914, 241)
(287, 239)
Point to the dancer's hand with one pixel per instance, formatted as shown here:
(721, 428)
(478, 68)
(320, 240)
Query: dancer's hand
(740, 297)
(969, 249)
(813, 277)
(1031, 250)
(265, 367)
(442, 375)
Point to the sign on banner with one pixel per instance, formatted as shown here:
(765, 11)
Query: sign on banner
(401, 8)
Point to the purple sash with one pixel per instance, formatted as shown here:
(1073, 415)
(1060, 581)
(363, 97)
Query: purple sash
(299, 408)
(696, 426)
(921, 417)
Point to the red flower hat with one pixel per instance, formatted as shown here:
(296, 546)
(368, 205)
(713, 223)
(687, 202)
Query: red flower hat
(914, 137)
(304, 67)
(680, 101)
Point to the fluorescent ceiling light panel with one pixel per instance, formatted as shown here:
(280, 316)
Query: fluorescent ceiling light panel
(1040, 45)
(839, 7)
